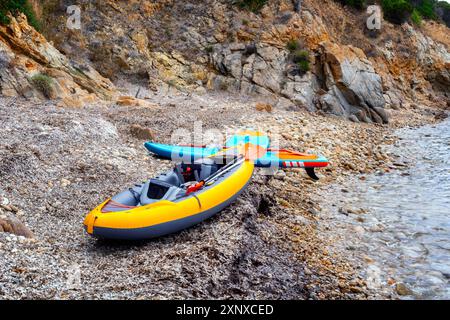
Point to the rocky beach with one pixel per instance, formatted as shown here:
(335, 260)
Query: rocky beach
(77, 106)
(57, 164)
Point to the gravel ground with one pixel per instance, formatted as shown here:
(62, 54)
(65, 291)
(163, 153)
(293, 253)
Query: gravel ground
(57, 164)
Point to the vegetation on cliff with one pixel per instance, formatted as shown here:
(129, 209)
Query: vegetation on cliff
(15, 6)
(399, 11)
(43, 83)
(252, 5)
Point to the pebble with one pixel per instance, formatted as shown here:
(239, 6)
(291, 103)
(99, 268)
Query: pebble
(65, 182)
(403, 290)
(4, 201)
(377, 228)
(359, 230)
(20, 213)
(280, 175)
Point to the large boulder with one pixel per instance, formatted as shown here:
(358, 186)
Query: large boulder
(352, 83)
(14, 226)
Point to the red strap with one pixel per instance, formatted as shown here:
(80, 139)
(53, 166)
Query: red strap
(192, 145)
(115, 204)
(195, 187)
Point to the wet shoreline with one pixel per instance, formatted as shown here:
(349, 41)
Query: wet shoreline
(396, 224)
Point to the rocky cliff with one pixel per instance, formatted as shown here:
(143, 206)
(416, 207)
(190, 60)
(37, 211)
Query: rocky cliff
(33, 68)
(214, 45)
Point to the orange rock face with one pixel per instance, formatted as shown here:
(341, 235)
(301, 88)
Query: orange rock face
(28, 54)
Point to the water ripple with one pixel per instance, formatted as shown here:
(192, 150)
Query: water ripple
(413, 205)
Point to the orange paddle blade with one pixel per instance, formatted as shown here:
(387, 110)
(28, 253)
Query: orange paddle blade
(252, 152)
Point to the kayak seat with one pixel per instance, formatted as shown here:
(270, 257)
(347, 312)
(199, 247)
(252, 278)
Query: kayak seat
(174, 178)
(124, 200)
(154, 190)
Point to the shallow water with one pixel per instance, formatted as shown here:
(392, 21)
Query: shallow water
(407, 224)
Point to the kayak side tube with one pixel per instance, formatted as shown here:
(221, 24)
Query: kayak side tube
(186, 154)
(189, 154)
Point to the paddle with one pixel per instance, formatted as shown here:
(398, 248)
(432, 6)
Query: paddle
(245, 152)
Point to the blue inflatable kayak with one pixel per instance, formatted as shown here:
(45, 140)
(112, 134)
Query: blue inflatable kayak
(273, 158)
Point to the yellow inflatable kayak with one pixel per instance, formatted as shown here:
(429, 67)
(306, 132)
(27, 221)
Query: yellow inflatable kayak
(178, 199)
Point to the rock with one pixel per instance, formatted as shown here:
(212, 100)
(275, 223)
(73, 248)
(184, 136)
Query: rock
(280, 175)
(13, 208)
(285, 104)
(200, 91)
(64, 183)
(268, 67)
(403, 290)
(233, 64)
(382, 113)
(264, 107)
(298, 219)
(351, 81)
(440, 78)
(142, 133)
(359, 230)
(331, 104)
(15, 226)
(132, 102)
(441, 115)
(394, 99)
(4, 201)
(375, 117)
(302, 91)
(71, 102)
(346, 210)
(265, 68)
(353, 118)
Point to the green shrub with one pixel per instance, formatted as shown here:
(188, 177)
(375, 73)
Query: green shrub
(359, 4)
(443, 12)
(43, 83)
(251, 5)
(426, 9)
(16, 6)
(292, 45)
(397, 11)
(416, 17)
(300, 55)
(303, 66)
(301, 59)
(209, 49)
